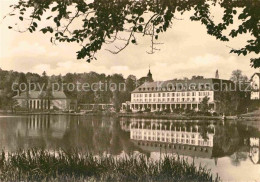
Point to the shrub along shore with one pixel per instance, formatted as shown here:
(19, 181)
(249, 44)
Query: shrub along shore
(43, 165)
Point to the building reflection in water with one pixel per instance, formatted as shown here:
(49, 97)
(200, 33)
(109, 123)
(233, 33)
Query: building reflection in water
(204, 139)
(39, 125)
(254, 150)
(180, 138)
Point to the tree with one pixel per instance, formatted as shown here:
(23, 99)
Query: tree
(204, 105)
(130, 83)
(237, 76)
(105, 21)
(44, 80)
(196, 77)
(225, 103)
(22, 83)
(240, 96)
(116, 81)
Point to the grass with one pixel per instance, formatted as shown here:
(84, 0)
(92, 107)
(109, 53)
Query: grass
(43, 165)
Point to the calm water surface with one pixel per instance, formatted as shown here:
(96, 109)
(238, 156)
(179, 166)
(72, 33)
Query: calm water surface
(230, 149)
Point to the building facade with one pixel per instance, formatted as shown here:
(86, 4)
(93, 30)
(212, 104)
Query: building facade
(255, 86)
(37, 100)
(176, 94)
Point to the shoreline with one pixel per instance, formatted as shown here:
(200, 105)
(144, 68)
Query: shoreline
(168, 116)
(133, 115)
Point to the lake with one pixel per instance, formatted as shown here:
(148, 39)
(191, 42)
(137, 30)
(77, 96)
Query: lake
(230, 149)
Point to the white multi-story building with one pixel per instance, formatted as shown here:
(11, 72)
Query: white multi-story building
(174, 94)
(255, 86)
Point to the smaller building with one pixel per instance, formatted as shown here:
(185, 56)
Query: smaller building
(255, 86)
(41, 100)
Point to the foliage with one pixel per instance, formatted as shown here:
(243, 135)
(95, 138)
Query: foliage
(237, 76)
(42, 165)
(102, 94)
(92, 24)
(194, 77)
(147, 110)
(204, 105)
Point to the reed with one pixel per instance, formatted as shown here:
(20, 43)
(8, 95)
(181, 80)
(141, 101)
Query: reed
(44, 165)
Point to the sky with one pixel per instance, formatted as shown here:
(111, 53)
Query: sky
(187, 50)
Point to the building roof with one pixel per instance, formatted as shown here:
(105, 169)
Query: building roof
(41, 94)
(182, 85)
(258, 74)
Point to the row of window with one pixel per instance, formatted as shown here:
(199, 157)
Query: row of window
(170, 87)
(168, 100)
(173, 140)
(172, 134)
(173, 94)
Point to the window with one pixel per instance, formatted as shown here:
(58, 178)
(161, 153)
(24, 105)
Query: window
(173, 94)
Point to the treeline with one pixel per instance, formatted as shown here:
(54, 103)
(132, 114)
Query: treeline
(102, 88)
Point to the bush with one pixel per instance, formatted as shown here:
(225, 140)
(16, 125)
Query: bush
(215, 114)
(207, 114)
(158, 112)
(128, 110)
(190, 112)
(167, 111)
(147, 110)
